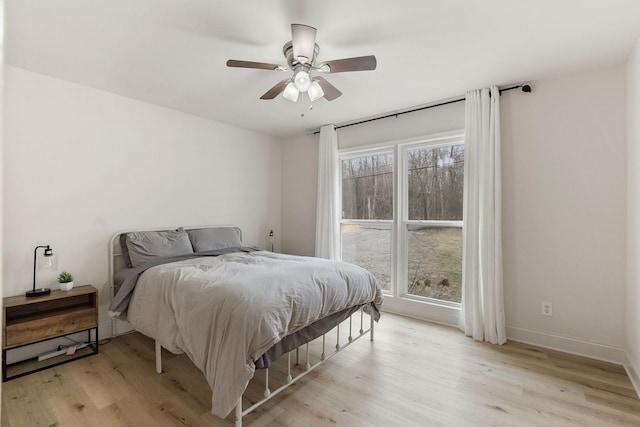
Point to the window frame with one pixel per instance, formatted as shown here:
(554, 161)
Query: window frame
(402, 259)
(400, 222)
(371, 151)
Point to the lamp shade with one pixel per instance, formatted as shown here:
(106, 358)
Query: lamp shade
(302, 81)
(315, 91)
(291, 92)
(47, 262)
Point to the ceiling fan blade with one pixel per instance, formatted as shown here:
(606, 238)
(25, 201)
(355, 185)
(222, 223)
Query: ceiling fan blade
(303, 38)
(360, 63)
(276, 90)
(251, 64)
(330, 91)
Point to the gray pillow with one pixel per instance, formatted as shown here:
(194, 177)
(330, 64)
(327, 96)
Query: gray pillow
(209, 239)
(146, 245)
(125, 250)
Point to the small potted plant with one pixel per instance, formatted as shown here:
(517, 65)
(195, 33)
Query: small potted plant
(66, 281)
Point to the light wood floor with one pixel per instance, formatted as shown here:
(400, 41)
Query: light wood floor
(414, 373)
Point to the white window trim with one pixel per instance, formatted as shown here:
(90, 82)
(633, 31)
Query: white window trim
(399, 301)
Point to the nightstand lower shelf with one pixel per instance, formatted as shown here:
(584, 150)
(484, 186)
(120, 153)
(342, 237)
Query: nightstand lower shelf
(29, 366)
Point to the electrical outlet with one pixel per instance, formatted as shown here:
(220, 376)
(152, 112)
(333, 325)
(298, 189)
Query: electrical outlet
(547, 308)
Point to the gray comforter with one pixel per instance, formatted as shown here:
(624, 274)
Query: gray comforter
(126, 279)
(224, 312)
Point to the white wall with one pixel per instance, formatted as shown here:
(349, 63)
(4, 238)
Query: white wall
(564, 212)
(299, 194)
(564, 205)
(81, 164)
(425, 122)
(633, 217)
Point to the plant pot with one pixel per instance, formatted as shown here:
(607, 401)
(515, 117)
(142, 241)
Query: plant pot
(66, 286)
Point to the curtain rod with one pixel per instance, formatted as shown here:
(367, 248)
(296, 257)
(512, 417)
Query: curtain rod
(525, 88)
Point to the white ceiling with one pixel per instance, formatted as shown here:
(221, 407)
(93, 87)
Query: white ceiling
(173, 52)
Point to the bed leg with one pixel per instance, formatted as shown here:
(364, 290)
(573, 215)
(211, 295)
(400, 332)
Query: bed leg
(308, 365)
(158, 358)
(372, 321)
(351, 328)
(361, 321)
(338, 337)
(289, 377)
(239, 413)
(267, 392)
(322, 356)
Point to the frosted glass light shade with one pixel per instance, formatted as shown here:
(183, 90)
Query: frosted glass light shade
(291, 92)
(47, 262)
(315, 91)
(302, 81)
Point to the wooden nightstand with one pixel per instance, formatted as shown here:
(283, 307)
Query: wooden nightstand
(27, 321)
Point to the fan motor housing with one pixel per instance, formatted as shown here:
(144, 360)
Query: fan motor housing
(287, 50)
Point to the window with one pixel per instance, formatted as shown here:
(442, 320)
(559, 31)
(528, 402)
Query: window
(411, 243)
(367, 213)
(434, 178)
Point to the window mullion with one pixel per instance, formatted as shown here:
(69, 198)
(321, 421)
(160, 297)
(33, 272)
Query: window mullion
(394, 232)
(400, 265)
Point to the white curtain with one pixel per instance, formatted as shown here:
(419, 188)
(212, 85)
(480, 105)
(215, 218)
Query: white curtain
(327, 219)
(482, 315)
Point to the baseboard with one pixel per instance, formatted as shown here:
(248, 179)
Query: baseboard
(449, 316)
(633, 373)
(104, 331)
(593, 350)
(119, 327)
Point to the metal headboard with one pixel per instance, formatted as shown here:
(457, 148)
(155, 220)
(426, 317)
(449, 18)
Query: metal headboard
(117, 263)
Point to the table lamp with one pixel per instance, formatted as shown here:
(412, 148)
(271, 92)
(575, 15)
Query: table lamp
(48, 262)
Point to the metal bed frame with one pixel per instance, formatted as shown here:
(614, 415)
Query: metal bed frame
(116, 263)
(290, 380)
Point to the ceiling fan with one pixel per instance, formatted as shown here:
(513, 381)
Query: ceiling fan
(301, 53)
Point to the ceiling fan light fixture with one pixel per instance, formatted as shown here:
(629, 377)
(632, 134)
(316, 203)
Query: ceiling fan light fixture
(291, 92)
(315, 91)
(302, 80)
(301, 53)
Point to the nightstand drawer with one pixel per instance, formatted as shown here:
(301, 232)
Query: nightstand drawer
(38, 329)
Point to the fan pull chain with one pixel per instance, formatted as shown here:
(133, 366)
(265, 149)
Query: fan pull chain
(303, 104)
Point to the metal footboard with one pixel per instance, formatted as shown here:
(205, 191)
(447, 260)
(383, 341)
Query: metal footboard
(324, 356)
(268, 394)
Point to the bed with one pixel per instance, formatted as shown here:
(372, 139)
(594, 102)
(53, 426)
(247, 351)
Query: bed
(233, 309)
